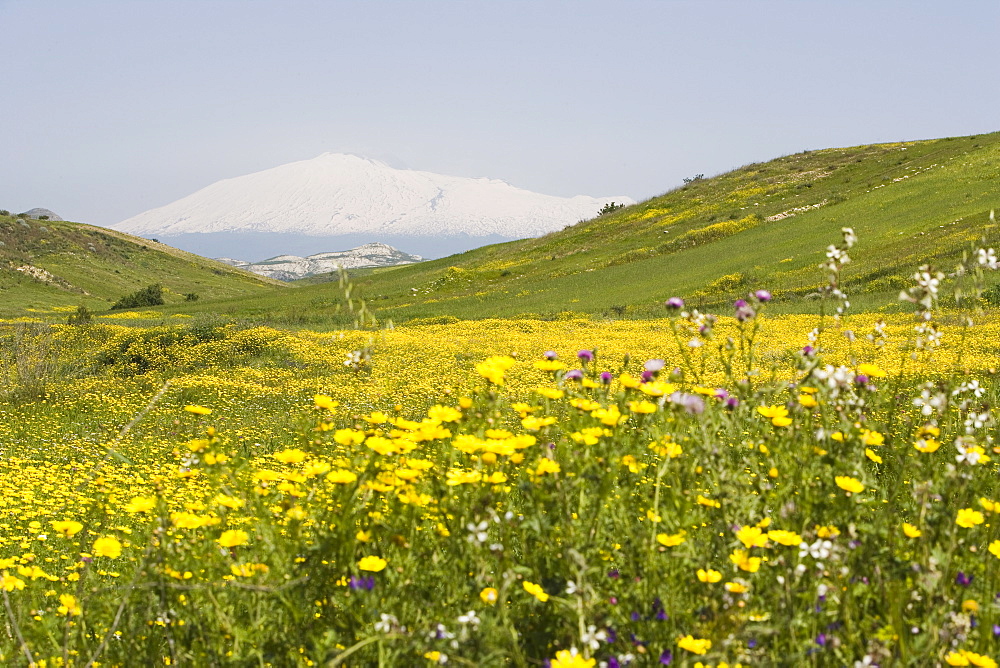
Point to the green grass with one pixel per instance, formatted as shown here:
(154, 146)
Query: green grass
(94, 267)
(910, 203)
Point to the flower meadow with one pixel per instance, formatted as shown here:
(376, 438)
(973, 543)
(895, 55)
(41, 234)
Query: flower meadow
(689, 491)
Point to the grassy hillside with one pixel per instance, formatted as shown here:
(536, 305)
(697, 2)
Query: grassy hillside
(710, 241)
(763, 225)
(46, 265)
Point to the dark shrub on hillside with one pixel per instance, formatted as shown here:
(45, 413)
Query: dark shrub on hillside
(151, 295)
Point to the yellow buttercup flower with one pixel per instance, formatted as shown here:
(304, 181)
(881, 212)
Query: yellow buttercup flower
(546, 465)
(751, 537)
(67, 527)
(642, 406)
(849, 484)
(107, 546)
(695, 645)
(140, 504)
(968, 518)
(911, 531)
(869, 437)
(233, 538)
(341, 476)
(782, 537)
(872, 371)
(709, 576)
(489, 595)
(69, 606)
(777, 414)
(323, 401)
(743, 561)
(198, 410)
(736, 588)
(711, 503)
(535, 590)
(670, 540)
(570, 658)
(372, 563)
(444, 413)
(291, 456)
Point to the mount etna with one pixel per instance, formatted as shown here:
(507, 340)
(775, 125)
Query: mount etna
(341, 201)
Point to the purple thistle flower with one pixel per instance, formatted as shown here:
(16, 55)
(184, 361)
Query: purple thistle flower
(666, 658)
(762, 296)
(963, 579)
(996, 630)
(550, 355)
(574, 374)
(675, 303)
(647, 376)
(691, 403)
(606, 377)
(743, 310)
(585, 355)
(821, 640)
(613, 573)
(861, 379)
(732, 402)
(808, 351)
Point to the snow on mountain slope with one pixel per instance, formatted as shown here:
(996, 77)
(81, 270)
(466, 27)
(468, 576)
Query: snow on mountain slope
(338, 194)
(292, 267)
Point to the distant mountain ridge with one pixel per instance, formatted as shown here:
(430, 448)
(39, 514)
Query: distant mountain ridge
(293, 267)
(338, 194)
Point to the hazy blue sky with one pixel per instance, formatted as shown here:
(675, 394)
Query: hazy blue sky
(114, 107)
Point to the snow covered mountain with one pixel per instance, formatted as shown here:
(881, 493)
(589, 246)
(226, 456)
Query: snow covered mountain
(340, 194)
(292, 267)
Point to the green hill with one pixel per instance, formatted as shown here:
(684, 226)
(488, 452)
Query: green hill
(46, 265)
(712, 240)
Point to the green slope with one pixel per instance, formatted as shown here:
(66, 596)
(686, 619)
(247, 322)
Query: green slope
(763, 225)
(710, 241)
(55, 265)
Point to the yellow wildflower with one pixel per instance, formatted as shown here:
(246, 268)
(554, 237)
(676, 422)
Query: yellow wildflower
(67, 527)
(709, 576)
(743, 561)
(782, 537)
(233, 538)
(536, 591)
(670, 540)
(372, 563)
(751, 537)
(695, 645)
(849, 484)
(968, 518)
(107, 546)
(290, 456)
